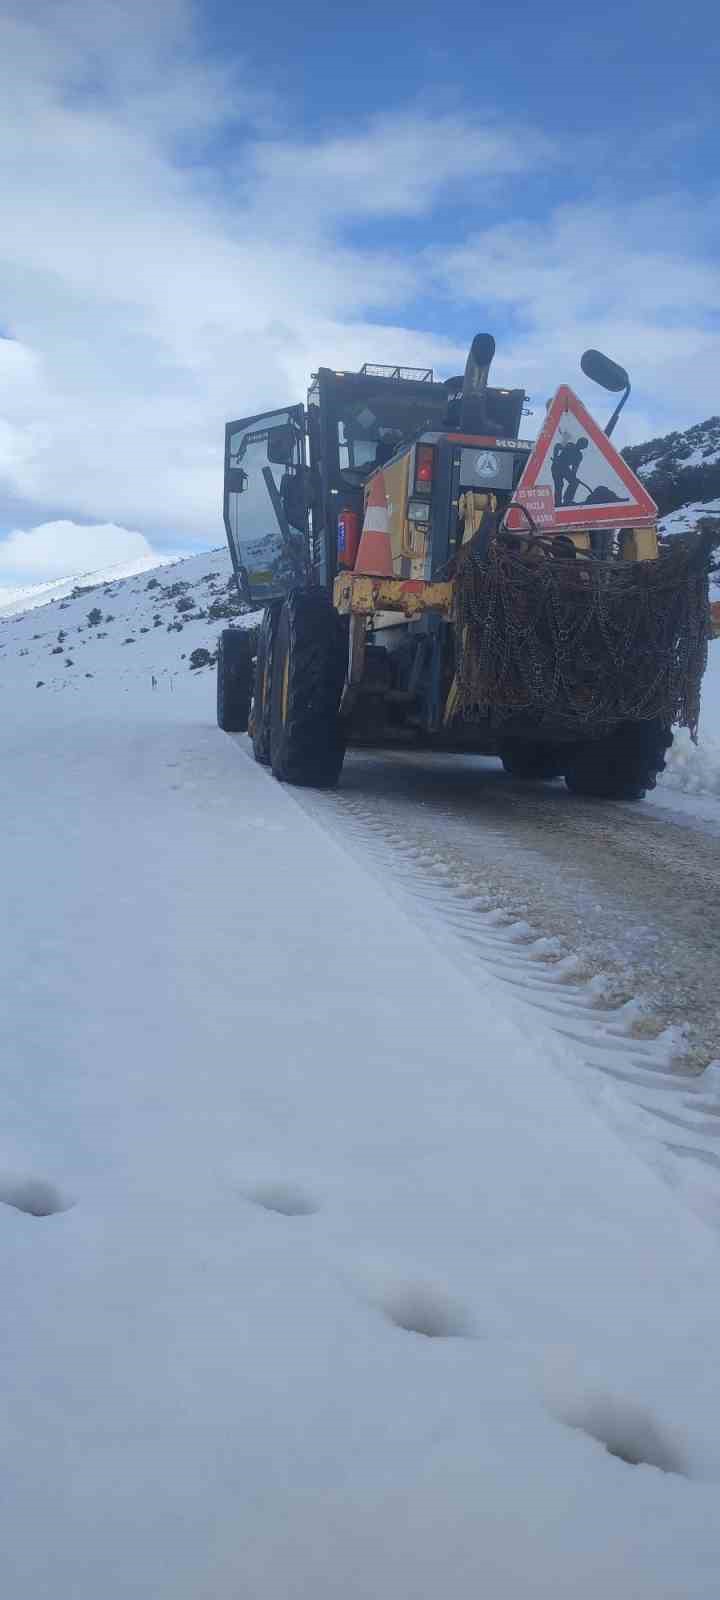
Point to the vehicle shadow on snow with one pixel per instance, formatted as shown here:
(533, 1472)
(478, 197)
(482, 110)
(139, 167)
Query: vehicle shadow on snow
(472, 782)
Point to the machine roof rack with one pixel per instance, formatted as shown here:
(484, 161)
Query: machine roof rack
(372, 369)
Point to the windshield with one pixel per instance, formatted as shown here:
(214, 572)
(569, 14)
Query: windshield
(372, 426)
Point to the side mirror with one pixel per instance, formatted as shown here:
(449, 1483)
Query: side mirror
(600, 369)
(281, 445)
(236, 479)
(294, 498)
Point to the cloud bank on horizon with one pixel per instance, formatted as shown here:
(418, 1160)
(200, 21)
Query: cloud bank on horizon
(180, 245)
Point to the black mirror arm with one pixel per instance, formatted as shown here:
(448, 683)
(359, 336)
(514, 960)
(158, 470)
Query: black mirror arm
(609, 426)
(280, 516)
(277, 506)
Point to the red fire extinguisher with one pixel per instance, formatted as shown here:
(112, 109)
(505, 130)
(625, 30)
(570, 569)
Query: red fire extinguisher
(348, 537)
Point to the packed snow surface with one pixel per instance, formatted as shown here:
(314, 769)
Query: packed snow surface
(321, 1274)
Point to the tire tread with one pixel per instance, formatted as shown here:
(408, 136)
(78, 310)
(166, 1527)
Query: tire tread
(309, 748)
(622, 766)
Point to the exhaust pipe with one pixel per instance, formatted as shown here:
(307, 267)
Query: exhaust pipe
(473, 414)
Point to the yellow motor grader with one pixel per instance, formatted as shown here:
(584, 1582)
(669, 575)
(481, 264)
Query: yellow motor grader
(429, 578)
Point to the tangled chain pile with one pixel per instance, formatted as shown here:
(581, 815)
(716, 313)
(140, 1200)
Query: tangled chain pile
(583, 643)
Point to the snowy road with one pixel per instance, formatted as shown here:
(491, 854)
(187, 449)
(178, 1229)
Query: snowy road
(350, 1227)
(307, 1291)
(633, 891)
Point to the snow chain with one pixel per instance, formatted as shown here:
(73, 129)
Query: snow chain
(583, 643)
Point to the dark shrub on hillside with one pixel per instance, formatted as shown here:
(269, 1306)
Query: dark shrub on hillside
(201, 658)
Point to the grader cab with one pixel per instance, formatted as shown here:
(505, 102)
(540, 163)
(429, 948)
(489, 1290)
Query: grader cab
(429, 578)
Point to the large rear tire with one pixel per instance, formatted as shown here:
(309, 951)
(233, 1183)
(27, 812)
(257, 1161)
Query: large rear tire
(540, 762)
(234, 680)
(307, 736)
(262, 694)
(622, 766)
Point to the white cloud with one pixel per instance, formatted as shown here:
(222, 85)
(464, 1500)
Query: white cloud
(615, 277)
(399, 164)
(150, 297)
(65, 549)
(147, 308)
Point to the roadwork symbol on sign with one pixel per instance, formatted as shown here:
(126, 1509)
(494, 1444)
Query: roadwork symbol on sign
(575, 478)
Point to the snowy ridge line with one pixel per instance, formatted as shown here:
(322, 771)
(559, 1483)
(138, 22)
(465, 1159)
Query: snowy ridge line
(635, 1076)
(29, 597)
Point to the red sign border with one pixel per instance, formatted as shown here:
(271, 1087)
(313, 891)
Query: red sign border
(642, 510)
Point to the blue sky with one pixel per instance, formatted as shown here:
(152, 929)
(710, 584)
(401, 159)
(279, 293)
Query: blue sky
(206, 201)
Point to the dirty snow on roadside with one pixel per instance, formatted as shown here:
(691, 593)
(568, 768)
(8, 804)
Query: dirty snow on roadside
(321, 1272)
(695, 769)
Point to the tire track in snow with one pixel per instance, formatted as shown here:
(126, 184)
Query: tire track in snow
(634, 1071)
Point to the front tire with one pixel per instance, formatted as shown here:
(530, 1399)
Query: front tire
(262, 695)
(307, 736)
(623, 765)
(234, 680)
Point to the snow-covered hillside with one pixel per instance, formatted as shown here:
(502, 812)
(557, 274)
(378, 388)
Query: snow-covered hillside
(681, 468)
(323, 1272)
(13, 601)
(141, 630)
(688, 516)
(682, 473)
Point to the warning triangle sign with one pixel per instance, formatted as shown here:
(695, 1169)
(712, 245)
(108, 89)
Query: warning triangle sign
(575, 478)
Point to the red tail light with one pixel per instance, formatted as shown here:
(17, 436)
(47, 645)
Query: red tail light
(424, 468)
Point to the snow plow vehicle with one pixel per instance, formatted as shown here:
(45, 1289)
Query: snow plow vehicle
(430, 579)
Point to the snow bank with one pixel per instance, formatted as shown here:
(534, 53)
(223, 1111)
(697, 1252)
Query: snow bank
(696, 768)
(693, 768)
(319, 1275)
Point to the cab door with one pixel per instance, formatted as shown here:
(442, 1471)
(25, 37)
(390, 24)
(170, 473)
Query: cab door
(265, 504)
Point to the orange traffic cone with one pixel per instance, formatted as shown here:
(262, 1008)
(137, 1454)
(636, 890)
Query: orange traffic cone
(374, 555)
